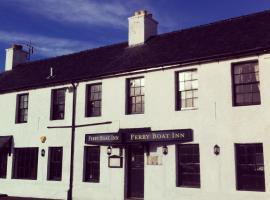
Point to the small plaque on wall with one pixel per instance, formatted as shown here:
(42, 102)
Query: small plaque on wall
(115, 161)
(154, 160)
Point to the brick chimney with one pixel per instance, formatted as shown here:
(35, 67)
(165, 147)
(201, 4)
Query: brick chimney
(141, 27)
(15, 55)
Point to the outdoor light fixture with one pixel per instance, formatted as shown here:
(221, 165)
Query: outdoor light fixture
(216, 150)
(165, 150)
(109, 150)
(43, 152)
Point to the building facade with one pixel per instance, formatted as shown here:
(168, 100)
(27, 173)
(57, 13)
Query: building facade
(182, 115)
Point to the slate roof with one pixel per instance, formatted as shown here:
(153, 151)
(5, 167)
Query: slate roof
(248, 34)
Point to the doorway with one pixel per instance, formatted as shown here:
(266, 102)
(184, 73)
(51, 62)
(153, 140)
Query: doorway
(135, 172)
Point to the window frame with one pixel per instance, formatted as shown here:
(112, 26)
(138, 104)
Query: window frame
(237, 174)
(19, 110)
(53, 93)
(3, 163)
(128, 96)
(179, 182)
(178, 100)
(34, 157)
(50, 162)
(86, 168)
(233, 87)
(88, 101)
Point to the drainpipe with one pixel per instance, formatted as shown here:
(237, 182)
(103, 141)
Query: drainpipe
(73, 125)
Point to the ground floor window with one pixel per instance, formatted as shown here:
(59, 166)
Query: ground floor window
(25, 162)
(55, 163)
(3, 163)
(188, 165)
(91, 164)
(250, 167)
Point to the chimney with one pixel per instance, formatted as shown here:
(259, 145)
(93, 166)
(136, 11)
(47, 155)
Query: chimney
(15, 55)
(141, 27)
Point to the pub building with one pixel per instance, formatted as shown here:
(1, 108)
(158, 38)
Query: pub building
(180, 115)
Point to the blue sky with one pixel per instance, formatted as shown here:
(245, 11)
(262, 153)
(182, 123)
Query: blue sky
(57, 27)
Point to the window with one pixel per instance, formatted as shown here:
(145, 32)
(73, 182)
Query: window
(3, 163)
(246, 84)
(93, 100)
(25, 162)
(22, 108)
(58, 104)
(135, 97)
(91, 163)
(55, 163)
(188, 166)
(186, 89)
(250, 167)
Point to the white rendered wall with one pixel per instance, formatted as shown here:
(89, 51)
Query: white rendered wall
(214, 122)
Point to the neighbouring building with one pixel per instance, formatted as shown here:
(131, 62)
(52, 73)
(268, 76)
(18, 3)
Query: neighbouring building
(180, 115)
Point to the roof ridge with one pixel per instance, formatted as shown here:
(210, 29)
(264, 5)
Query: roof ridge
(216, 22)
(71, 54)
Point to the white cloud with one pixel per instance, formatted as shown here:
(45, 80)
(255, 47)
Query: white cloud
(45, 46)
(78, 11)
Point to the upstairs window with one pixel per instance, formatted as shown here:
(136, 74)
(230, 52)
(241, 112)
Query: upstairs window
(188, 166)
(55, 163)
(91, 163)
(135, 96)
(58, 104)
(186, 89)
(3, 163)
(93, 100)
(246, 84)
(250, 167)
(22, 108)
(25, 162)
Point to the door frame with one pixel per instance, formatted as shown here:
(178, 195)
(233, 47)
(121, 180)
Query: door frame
(126, 182)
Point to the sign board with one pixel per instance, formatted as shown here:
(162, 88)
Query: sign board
(103, 138)
(154, 160)
(179, 135)
(176, 136)
(115, 161)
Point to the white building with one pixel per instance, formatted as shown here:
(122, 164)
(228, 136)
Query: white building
(181, 115)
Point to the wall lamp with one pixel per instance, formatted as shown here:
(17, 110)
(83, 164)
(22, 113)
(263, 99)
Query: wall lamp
(165, 150)
(109, 150)
(216, 150)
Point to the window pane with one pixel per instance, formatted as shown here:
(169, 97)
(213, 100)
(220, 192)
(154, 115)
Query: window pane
(250, 167)
(135, 96)
(188, 165)
(22, 108)
(188, 89)
(91, 163)
(93, 105)
(246, 82)
(55, 163)
(25, 161)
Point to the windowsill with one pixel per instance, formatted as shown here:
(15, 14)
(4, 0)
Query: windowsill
(235, 106)
(186, 109)
(20, 122)
(56, 119)
(134, 113)
(93, 116)
(243, 190)
(188, 187)
(57, 181)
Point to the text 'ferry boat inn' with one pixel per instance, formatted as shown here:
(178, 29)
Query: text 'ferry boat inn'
(180, 115)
